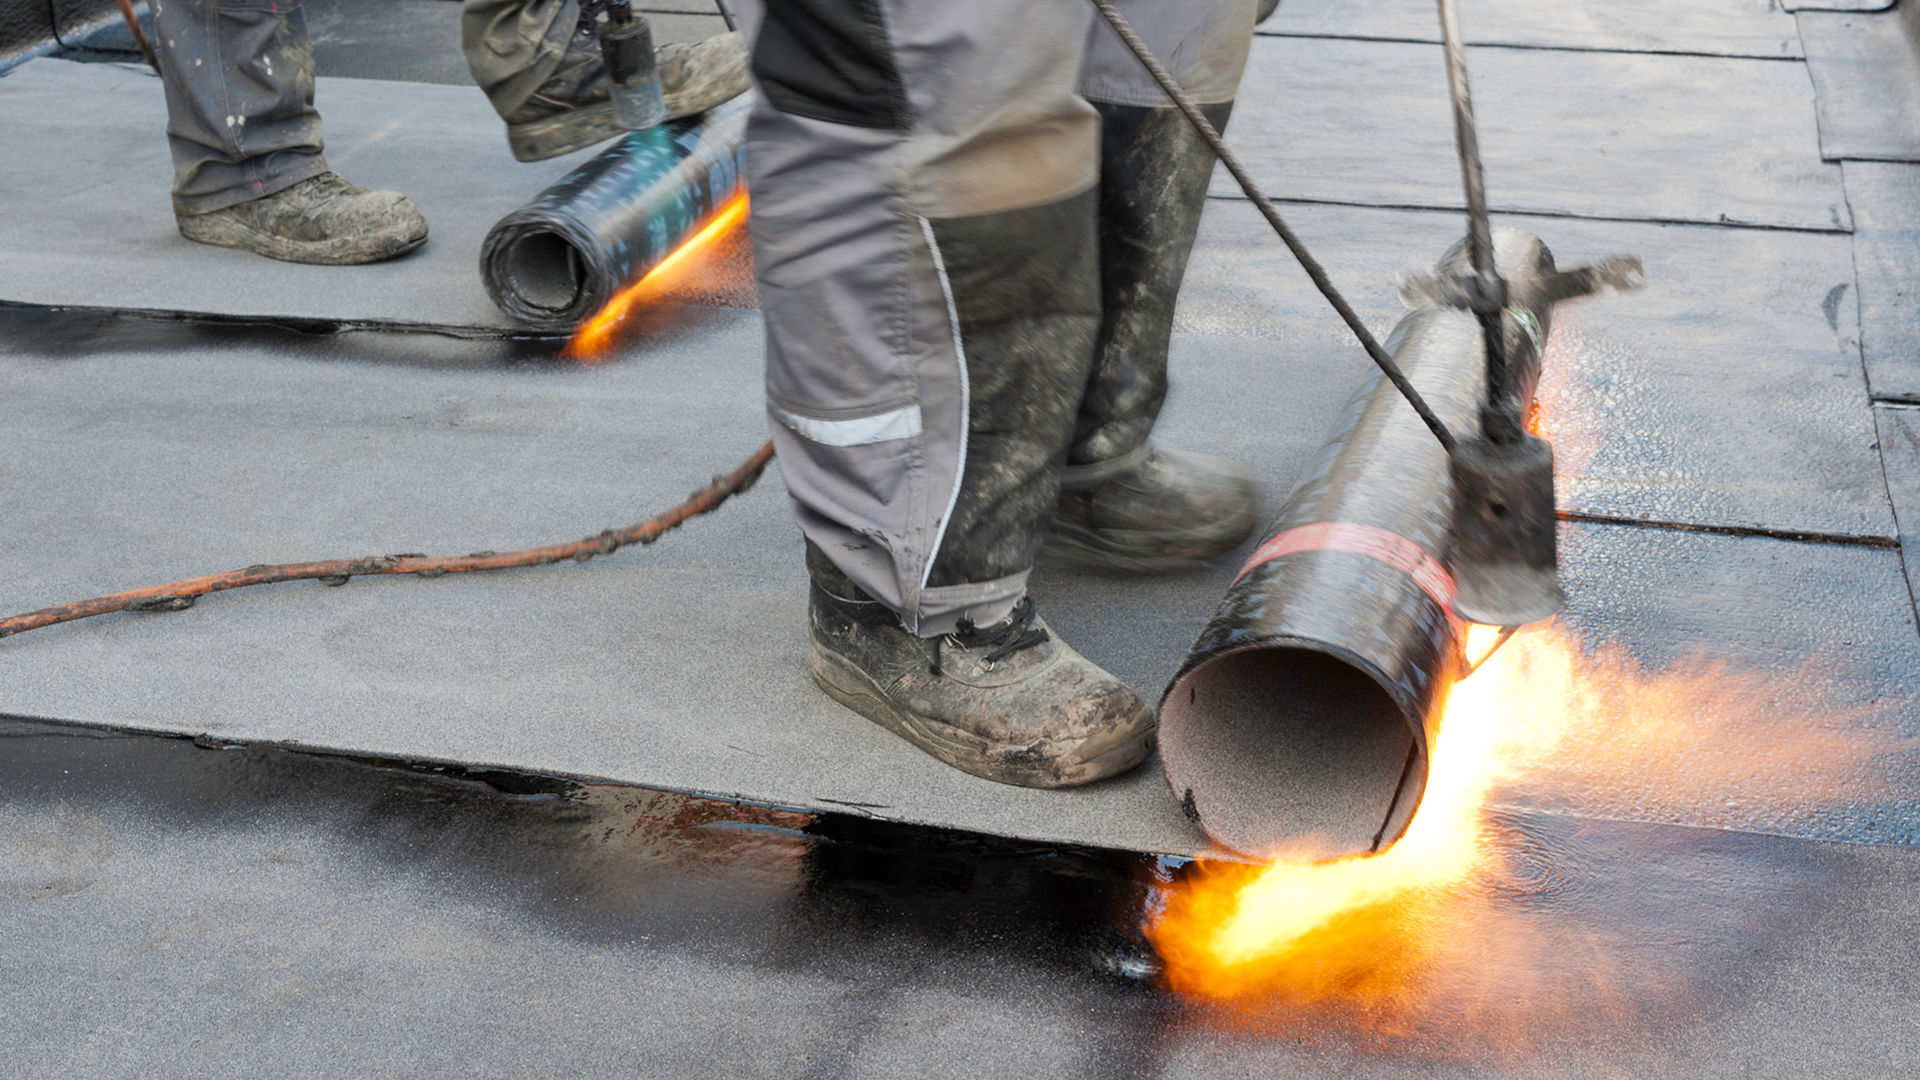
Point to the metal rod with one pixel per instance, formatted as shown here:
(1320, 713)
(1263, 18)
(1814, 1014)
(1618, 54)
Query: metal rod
(1307, 262)
(725, 15)
(1500, 416)
(139, 36)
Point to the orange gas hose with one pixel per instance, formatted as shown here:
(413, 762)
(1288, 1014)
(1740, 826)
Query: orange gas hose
(180, 595)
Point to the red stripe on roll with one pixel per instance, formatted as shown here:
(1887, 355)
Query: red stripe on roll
(1376, 543)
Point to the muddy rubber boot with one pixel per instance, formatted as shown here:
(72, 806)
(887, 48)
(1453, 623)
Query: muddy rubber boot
(1153, 511)
(572, 108)
(1123, 504)
(1010, 702)
(322, 219)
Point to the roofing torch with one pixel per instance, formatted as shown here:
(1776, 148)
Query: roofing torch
(1505, 557)
(626, 46)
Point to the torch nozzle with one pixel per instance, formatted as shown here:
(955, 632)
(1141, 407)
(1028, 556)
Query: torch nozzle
(626, 45)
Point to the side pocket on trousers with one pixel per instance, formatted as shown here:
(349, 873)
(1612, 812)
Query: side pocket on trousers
(830, 61)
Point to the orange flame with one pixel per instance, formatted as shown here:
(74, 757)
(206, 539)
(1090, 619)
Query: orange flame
(1402, 934)
(596, 335)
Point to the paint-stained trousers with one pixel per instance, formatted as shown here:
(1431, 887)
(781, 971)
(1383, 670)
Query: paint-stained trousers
(239, 84)
(964, 295)
(513, 46)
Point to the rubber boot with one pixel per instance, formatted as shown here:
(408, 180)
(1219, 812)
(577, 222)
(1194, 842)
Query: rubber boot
(1123, 504)
(572, 109)
(1154, 511)
(1009, 702)
(322, 219)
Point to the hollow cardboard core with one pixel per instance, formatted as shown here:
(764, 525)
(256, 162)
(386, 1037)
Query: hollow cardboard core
(546, 271)
(1290, 752)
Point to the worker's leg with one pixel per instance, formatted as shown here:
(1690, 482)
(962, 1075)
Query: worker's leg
(924, 186)
(547, 81)
(1126, 504)
(248, 169)
(239, 84)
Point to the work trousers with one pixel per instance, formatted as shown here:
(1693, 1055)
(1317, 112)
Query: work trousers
(967, 290)
(514, 46)
(239, 85)
(238, 76)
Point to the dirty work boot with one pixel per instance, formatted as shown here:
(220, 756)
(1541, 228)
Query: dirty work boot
(1152, 511)
(322, 219)
(572, 108)
(1009, 702)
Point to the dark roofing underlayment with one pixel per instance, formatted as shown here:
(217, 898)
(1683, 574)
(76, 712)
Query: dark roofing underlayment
(183, 911)
(1726, 406)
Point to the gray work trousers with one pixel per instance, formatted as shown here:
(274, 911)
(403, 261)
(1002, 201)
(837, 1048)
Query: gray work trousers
(239, 85)
(514, 46)
(927, 206)
(238, 76)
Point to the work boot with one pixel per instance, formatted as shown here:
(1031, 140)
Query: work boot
(1010, 702)
(322, 219)
(572, 108)
(1152, 511)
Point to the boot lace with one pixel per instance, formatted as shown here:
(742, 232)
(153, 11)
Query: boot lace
(1001, 640)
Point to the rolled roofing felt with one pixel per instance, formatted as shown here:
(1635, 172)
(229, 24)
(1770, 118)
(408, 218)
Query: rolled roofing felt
(560, 258)
(1300, 723)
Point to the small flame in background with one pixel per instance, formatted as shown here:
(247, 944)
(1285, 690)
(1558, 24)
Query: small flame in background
(596, 336)
(1411, 939)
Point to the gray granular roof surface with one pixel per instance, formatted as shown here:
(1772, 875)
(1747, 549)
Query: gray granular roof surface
(1740, 470)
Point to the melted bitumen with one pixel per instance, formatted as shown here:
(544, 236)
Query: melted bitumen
(603, 859)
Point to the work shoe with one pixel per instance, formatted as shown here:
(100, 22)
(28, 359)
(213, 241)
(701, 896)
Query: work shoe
(1010, 702)
(322, 219)
(1152, 510)
(572, 108)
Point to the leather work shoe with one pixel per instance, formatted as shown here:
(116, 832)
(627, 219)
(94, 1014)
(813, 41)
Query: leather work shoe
(322, 219)
(572, 109)
(1153, 510)
(1010, 702)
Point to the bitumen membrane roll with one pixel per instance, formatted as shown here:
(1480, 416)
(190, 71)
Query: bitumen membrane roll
(560, 258)
(1300, 722)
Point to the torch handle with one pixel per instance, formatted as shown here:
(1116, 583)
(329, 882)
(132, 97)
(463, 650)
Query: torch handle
(1500, 418)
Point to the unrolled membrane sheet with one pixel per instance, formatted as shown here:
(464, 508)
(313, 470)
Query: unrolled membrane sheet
(1756, 28)
(1712, 140)
(555, 261)
(147, 454)
(1866, 72)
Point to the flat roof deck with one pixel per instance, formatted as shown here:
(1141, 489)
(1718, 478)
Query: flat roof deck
(1741, 476)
